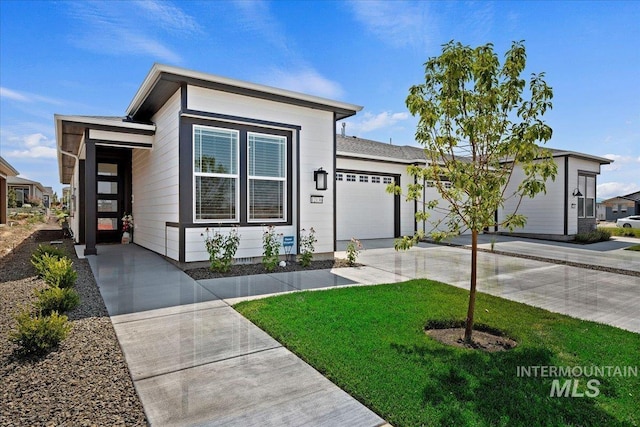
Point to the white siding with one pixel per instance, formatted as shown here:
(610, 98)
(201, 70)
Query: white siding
(545, 212)
(155, 184)
(316, 151)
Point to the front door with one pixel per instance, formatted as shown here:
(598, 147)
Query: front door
(113, 190)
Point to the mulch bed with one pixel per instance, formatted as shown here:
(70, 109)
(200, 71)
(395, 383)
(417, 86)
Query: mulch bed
(253, 269)
(85, 381)
(479, 340)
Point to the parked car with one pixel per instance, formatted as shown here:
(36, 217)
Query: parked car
(629, 222)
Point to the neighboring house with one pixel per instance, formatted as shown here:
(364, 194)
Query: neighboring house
(198, 151)
(27, 191)
(6, 171)
(366, 210)
(47, 197)
(621, 206)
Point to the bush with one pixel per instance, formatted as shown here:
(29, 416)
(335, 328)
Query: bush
(621, 231)
(56, 299)
(59, 272)
(271, 247)
(39, 334)
(45, 251)
(353, 249)
(599, 235)
(222, 249)
(307, 247)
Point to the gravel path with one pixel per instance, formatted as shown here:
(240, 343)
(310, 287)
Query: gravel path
(85, 382)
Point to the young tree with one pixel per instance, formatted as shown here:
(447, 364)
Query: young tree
(476, 127)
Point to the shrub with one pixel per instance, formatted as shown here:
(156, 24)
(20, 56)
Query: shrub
(307, 242)
(599, 235)
(353, 249)
(271, 247)
(59, 272)
(50, 250)
(56, 299)
(222, 249)
(620, 231)
(39, 334)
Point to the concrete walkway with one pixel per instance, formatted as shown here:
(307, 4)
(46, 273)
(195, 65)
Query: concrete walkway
(195, 361)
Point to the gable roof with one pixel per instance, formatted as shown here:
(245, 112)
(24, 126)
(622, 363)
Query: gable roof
(6, 169)
(164, 80)
(351, 146)
(16, 180)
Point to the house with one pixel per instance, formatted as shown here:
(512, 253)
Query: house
(365, 210)
(6, 171)
(27, 191)
(197, 151)
(47, 197)
(621, 206)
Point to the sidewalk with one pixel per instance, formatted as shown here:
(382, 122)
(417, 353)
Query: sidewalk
(196, 361)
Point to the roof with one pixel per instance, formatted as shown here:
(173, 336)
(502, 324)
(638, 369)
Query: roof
(632, 196)
(16, 180)
(351, 146)
(561, 153)
(6, 169)
(163, 81)
(70, 131)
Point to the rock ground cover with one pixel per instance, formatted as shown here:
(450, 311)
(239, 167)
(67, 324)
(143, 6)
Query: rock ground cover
(85, 381)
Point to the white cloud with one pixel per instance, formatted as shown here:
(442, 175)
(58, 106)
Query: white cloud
(26, 97)
(398, 23)
(619, 162)
(608, 190)
(32, 146)
(305, 80)
(370, 122)
(11, 94)
(118, 29)
(256, 16)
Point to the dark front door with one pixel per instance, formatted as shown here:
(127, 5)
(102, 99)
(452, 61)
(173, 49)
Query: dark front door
(113, 183)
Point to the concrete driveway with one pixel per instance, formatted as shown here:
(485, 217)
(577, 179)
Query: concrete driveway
(579, 292)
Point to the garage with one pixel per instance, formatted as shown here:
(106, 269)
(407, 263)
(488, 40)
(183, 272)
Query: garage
(364, 209)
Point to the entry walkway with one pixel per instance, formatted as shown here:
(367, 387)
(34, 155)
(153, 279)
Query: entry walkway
(195, 361)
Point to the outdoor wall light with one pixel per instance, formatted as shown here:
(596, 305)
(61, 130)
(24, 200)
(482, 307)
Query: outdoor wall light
(320, 177)
(577, 193)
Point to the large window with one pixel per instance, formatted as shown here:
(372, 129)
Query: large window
(215, 169)
(241, 175)
(587, 199)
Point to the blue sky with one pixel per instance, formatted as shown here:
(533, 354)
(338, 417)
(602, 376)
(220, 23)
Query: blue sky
(89, 58)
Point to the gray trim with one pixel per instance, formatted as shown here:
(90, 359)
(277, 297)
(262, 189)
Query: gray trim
(368, 159)
(297, 133)
(80, 202)
(90, 197)
(122, 144)
(114, 128)
(335, 186)
(566, 195)
(396, 198)
(236, 119)
(185, 183)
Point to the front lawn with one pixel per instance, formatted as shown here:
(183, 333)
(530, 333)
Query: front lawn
(620, 231)
(634, 248)
(370, 341)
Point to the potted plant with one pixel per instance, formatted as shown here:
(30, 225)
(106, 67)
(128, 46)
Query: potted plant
(127, 229)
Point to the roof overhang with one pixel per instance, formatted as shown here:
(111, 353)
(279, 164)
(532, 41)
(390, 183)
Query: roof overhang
(563, 153)
(71, 132)
(164, 80)
(6, 169)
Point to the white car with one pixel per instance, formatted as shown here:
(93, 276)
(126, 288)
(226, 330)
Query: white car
(629, 222)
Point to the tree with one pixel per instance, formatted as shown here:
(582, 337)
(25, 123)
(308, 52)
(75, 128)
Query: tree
(12, 201)
(476, 127)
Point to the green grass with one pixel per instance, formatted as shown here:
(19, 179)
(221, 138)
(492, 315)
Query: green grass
(370, 341)
(633, 248)
(620, 231)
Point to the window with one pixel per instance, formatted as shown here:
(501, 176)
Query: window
(430, 184)
(363, 178)
(215, 169)
(338, 177)
(587, 200)
(267, 176)
(387, 180)
(351, 178)
(375, 179)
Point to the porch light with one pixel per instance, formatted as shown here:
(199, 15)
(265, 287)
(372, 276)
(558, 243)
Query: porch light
(320, 177)
(577, 193)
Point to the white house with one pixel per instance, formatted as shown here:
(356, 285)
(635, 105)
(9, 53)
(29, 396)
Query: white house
(6, 171)
(26, 190)
(197, 151)
(366, 210)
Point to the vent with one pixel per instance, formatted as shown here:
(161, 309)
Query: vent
(245, 260)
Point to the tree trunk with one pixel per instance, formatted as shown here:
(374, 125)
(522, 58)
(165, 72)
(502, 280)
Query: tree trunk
(472, 290)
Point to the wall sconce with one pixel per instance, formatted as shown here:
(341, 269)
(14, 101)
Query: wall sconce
(320, 177)
(577, 193)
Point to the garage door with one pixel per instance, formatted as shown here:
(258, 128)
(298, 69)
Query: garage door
(364, 209)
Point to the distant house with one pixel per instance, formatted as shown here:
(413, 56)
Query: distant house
(6, 171)
(621, 206)
(197, 151)
(47, 197)
(364, 168)
(27, 191)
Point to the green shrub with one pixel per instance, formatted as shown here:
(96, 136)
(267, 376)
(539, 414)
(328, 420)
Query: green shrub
(59, 272)
(39, 334)
(56, 299)
(222, 248)
(599, 235)
(353, 249)
(307, 246)
(271, 248)
(45, 251)
(620, 231)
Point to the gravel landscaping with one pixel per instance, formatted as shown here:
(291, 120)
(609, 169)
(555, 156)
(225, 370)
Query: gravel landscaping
(252, 269)
(85, 381)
